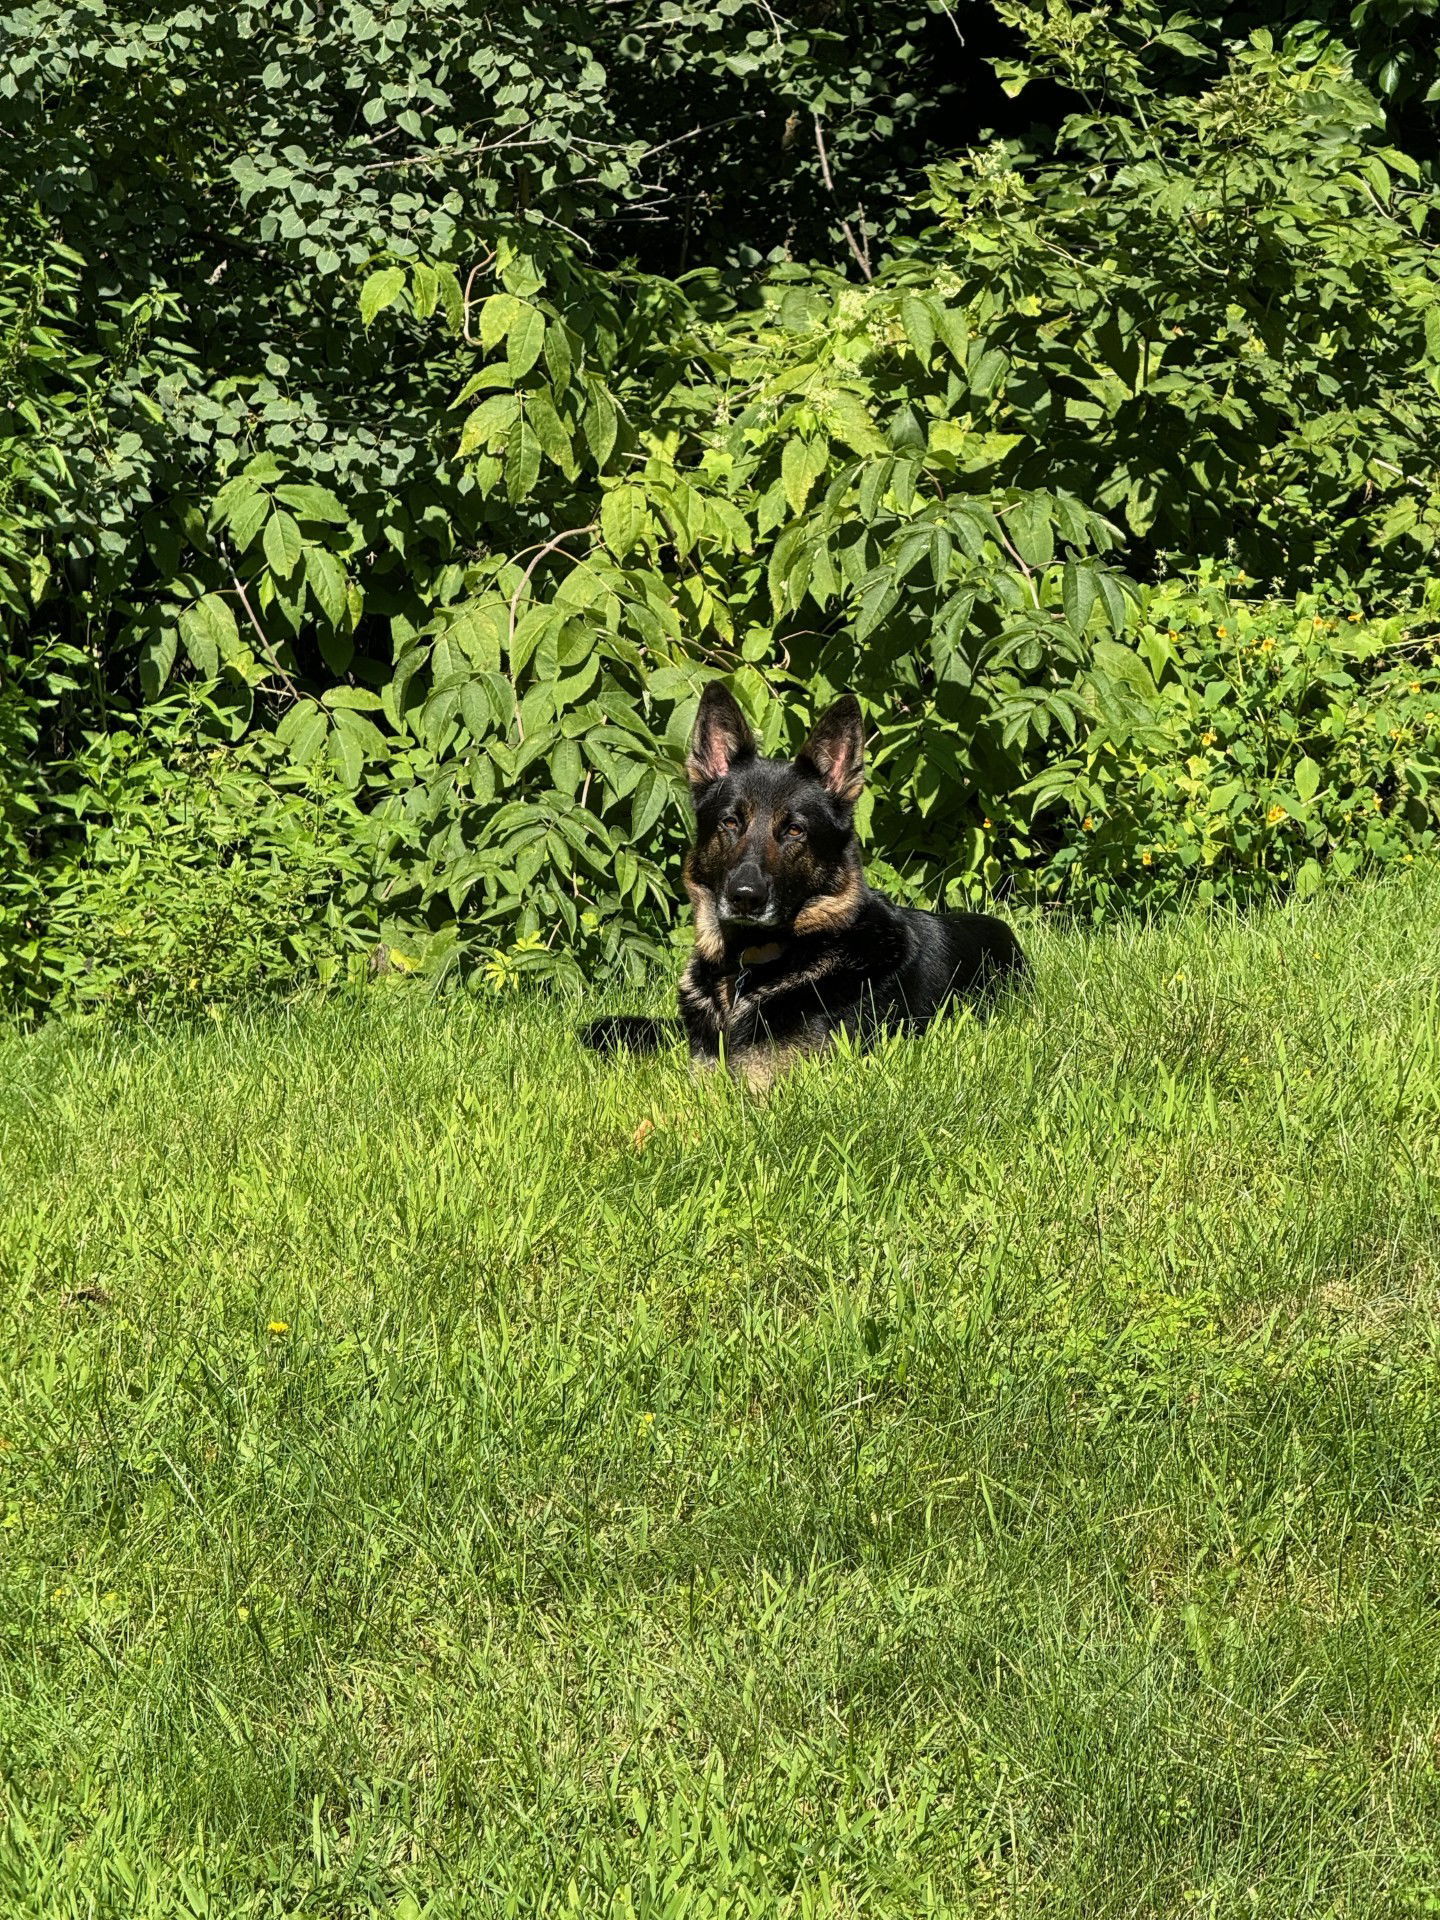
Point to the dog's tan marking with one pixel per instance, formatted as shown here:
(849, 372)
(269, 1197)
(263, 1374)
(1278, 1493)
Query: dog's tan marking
(833, 912)
(708, 939)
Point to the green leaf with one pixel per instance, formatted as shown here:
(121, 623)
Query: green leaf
(1307, 779)
(549, 430)
(522, 462)
(157, 661)
(599, 423)
(623, 518)
(802, 461)
(648, 803)
(209, 633)
(1077, 591)
(452, 298)
(497, 316)
(381, 290)
(424, 289)
(1028, 523)
(302, 731)
(247, 520)
(314, 503)
(525, 339)
(490, 422)
(347, 756)
(282, 544)
(919, 325)
(326, 578)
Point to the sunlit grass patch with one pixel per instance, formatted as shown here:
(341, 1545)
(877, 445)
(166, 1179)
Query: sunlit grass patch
(996, 1475)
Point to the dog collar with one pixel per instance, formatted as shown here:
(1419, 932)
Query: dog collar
(759, 956)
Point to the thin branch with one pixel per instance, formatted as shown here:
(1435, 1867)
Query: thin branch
(862, 259)
(570, 533)
(437, 156)
(265, 647)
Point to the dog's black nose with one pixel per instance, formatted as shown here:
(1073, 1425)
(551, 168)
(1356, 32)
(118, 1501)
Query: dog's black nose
(746, 896)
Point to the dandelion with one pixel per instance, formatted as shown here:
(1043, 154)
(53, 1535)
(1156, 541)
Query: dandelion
(1275, 815)
(278, 1326)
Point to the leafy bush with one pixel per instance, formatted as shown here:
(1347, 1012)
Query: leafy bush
(193, 873)
(451, 511)
(1254, 747)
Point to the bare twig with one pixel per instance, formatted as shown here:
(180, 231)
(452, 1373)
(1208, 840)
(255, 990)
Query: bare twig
(570, 533)
(862, 257)
(438, 156)
(265, 647)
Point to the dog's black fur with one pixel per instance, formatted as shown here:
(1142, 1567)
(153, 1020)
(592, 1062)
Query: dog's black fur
(791, 946)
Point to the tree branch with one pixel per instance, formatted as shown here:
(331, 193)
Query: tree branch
(862, 257)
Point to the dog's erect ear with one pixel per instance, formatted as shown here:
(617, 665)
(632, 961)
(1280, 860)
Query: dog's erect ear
(722, 736)
(836, 749)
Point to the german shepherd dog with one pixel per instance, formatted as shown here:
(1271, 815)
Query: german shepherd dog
(791, 946)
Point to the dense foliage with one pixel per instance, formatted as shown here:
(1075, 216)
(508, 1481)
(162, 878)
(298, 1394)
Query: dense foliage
(407, 406)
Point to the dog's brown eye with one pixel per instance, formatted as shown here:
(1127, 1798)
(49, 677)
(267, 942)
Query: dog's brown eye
(730, 824)
(792, 830)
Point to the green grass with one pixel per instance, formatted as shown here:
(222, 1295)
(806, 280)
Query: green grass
(1000, 1476)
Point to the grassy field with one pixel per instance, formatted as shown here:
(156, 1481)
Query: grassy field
(443, 1474)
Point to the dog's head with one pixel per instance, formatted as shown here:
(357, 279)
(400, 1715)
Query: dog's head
(775, 851)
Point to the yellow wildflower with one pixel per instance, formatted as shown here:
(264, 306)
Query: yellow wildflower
(1207, 739)
(1087, 825)
(1414, 686)
(1267, 645)
(1275, 814)
(278, 1326)
(1145, 859)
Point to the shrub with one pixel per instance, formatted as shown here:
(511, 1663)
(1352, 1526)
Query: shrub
(194, 872)
(1256, 747)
